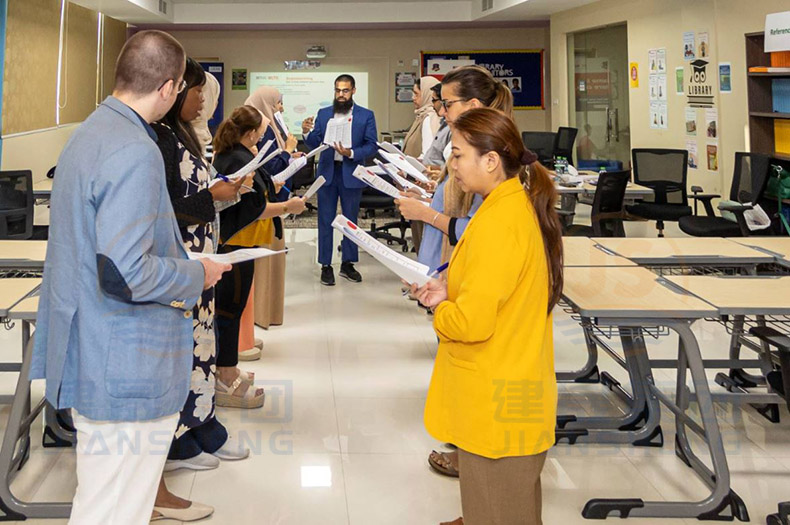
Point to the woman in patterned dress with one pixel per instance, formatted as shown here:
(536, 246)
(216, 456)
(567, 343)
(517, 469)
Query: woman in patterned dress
(200, 440)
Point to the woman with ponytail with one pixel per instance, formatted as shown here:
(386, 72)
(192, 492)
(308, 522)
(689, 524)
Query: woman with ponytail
(493, 392)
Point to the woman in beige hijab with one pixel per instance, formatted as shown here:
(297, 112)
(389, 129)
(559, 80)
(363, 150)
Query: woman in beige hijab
(210, 102)
(426, 122)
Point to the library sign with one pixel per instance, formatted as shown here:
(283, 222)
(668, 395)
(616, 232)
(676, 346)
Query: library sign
(777, 32)
(699, 88)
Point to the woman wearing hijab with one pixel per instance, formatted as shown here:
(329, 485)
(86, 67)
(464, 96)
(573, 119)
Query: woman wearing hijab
(210, 103)
(426, 121)
(269, 101)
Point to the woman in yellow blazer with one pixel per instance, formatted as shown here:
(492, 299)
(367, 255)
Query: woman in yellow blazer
(493, 392)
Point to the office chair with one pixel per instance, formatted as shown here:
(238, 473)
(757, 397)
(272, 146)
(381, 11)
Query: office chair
(542, 144)
(779, 381)
(372, 201)
(748, 184)
(665, 171)
(16, 207)
(563, 143)
(608, 210)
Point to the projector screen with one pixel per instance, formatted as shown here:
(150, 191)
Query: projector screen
(305, 92)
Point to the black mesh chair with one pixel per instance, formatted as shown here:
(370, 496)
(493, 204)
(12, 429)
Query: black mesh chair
(748, 184)
(542, 144)
(16, 205)
(373, 201)
(665, 172)
(563, 143)
(608, 211)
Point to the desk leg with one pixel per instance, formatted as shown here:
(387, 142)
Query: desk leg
(589, 372)
(18, 428)
(640, 425)
(721, 497)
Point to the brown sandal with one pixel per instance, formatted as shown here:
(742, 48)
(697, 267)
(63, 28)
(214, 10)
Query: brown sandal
(441, 463)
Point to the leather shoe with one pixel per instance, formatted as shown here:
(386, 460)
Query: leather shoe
(327, 276)
(347, 270)
(195, 511)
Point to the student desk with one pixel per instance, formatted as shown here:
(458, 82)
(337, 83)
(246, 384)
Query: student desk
(42, 190)
(22, 256)
(777, 246)
(570, 195)
(630, 300)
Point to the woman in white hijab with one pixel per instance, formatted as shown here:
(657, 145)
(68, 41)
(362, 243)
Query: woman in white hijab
(426, 122)
(211, 100)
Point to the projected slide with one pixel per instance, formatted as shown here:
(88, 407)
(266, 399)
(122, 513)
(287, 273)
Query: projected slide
(304, 93)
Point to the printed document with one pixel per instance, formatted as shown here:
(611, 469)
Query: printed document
(407, 269)
(392, 172)
(338, 130)
(314, 187)
(374, 181)
(246, 254)
(402, 164)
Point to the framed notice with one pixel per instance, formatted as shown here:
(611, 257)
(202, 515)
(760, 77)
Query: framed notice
(521, 70)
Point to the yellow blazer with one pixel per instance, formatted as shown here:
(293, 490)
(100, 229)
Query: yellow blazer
(493, 391)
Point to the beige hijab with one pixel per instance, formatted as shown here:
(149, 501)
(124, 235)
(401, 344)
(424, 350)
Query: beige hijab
(413, 141)
(265, 100)
(210, 102)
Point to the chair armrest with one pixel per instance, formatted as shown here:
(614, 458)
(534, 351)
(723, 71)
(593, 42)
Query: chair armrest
(706, 199)
(738, 210)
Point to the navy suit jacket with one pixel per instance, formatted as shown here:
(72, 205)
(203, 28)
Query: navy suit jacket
(363, 143)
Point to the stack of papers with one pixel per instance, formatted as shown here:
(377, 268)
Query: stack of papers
(338, 130)
(407, 269)
(404, 165)
(247, 254)
(393, 173)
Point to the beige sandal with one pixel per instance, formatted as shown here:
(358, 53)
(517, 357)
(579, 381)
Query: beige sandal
(225, 395)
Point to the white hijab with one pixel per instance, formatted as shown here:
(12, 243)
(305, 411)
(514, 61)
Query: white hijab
(210, 103)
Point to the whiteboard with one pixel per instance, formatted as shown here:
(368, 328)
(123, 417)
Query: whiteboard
(305, 92)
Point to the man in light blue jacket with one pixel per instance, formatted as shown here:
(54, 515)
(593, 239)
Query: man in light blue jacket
(114, 330)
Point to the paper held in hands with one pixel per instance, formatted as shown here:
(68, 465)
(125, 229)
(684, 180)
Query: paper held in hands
(314, 187)
(405, 184)
(296, 165)
(374, 181)
(246, 254)
(402, 164)
(407, 269)
(338, 130)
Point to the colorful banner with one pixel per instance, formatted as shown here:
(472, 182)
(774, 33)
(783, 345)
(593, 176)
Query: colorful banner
(520, 70)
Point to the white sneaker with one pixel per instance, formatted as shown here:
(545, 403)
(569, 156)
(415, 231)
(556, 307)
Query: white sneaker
(232, 450)
(202, 461)
(196, 511)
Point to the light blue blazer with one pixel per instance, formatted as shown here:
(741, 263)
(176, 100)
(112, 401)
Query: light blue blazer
(114, 330)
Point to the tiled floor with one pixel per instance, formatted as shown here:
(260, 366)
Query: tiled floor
(341, 438)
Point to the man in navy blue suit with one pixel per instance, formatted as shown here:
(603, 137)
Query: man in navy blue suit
(337, 166)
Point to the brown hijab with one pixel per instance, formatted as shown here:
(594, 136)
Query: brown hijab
(265, 100)
(412, 144)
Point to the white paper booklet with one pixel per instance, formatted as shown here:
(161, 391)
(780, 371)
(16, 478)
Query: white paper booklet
(314, 187)
(290, 171)
(281, 121)
(389, 148)
(246, 254)
(402, 164)
(392, 172)
(338, 130)
(407, 269)
(317, 151)
(374, 181)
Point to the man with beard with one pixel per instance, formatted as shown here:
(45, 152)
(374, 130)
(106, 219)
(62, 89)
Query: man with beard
(337, 166)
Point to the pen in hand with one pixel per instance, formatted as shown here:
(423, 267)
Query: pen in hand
(433, 275)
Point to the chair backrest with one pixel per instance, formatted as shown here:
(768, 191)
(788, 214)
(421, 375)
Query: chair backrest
(541, 143)
(749, 177)
(16, 204)
(563, 143)
(609, 197)
(665, 171)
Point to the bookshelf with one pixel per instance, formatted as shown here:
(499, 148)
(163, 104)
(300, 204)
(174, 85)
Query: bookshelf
(762, 117)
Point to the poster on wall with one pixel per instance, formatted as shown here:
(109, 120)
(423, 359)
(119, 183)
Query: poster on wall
(663, 115)
(713, 157)
(691, 147)
(403, 94)
(689, 46)
(305, 92)
(661, 57)
(520, 70)
(655, 114)
(679, 88)
(703, 45)
(662, 87)
(691, 122)
(700, 87)
(712, 123)
(652, 83)
(238, 79)
(725, 77)
(652, 61)
(217, 70)
(404, 82)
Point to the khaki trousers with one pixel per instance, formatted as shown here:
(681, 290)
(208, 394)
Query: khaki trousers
(270, 287)
(502, 491)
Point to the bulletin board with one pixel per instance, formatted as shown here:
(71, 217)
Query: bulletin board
(520, 69)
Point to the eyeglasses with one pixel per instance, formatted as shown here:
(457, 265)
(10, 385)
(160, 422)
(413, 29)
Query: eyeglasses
(447, 103)
(181, 87)
(342, 91)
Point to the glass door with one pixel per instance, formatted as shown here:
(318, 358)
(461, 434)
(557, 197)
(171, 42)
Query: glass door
(599, 108)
